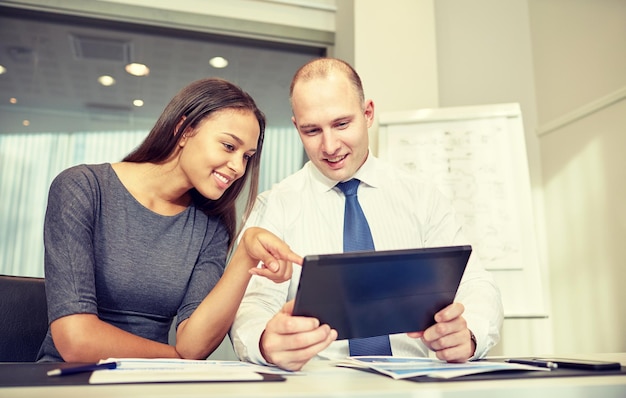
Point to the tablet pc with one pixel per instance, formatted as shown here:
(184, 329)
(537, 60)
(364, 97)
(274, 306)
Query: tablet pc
(373, 293)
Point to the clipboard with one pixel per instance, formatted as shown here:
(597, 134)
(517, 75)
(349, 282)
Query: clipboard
(374, 293)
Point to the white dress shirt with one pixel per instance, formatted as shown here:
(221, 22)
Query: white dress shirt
(306, 211)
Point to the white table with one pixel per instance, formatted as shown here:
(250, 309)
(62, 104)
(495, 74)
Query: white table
(324, 380)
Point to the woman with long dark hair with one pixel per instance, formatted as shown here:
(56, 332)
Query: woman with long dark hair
(133, 245)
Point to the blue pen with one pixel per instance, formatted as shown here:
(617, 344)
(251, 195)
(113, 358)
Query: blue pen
(82, 369)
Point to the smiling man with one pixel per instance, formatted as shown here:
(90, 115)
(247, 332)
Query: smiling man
(306, 210)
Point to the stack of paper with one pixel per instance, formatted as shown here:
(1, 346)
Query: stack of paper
(139, 370)
(402, 368)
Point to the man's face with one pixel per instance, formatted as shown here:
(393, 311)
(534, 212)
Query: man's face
(333, 124)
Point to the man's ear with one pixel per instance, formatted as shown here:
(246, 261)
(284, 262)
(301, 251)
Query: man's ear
(369, 112)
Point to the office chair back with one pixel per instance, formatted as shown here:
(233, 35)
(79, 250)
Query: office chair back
(23, 318)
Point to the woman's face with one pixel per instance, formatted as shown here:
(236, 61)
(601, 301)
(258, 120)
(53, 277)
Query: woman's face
(216, 152)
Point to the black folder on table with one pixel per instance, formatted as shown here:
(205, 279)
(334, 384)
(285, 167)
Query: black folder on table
(34, 374)
(524, 374)
(373, 293)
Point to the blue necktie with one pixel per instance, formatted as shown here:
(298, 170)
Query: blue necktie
(357, 236)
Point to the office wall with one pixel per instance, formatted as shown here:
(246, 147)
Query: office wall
(559, 59)
(579, 55)
(394, 51)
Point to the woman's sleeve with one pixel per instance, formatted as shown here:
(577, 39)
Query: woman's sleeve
(68, 234)
(207, 271)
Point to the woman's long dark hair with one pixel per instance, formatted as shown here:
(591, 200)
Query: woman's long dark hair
(193, 104)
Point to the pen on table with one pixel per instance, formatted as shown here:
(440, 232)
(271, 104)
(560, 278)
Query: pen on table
(82, 369)
(535, 362)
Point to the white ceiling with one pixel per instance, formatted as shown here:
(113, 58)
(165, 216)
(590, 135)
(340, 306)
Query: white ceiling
(53, 65)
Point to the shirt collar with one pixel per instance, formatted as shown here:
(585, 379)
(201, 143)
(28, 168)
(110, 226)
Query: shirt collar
(367, 173)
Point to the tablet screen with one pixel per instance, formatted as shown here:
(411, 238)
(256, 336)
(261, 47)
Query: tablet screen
(373, 293)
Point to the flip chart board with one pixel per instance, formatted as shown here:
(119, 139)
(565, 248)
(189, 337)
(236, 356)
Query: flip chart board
(477, 157)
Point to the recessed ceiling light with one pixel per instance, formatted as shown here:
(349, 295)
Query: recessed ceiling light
(138, 102)
(3, 70)
(26, 122)
(218, 62)
(136, 69)
(106, 80)
(13, 100)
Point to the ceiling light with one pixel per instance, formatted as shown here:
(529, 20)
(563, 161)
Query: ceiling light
(26, 123)
(106, 80)
(3, 70)
(138, 102)
(218, 62)
(13, 100)
(136, 69)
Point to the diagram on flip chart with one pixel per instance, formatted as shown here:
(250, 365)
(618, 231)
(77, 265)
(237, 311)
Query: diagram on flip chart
(477, 161)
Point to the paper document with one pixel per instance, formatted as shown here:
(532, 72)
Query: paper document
(139, 370)
(402, 368)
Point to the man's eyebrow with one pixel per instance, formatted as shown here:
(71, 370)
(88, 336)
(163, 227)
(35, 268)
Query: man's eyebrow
(342, 118)
(338, 119)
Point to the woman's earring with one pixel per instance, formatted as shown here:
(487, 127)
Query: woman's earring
(181, 142)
